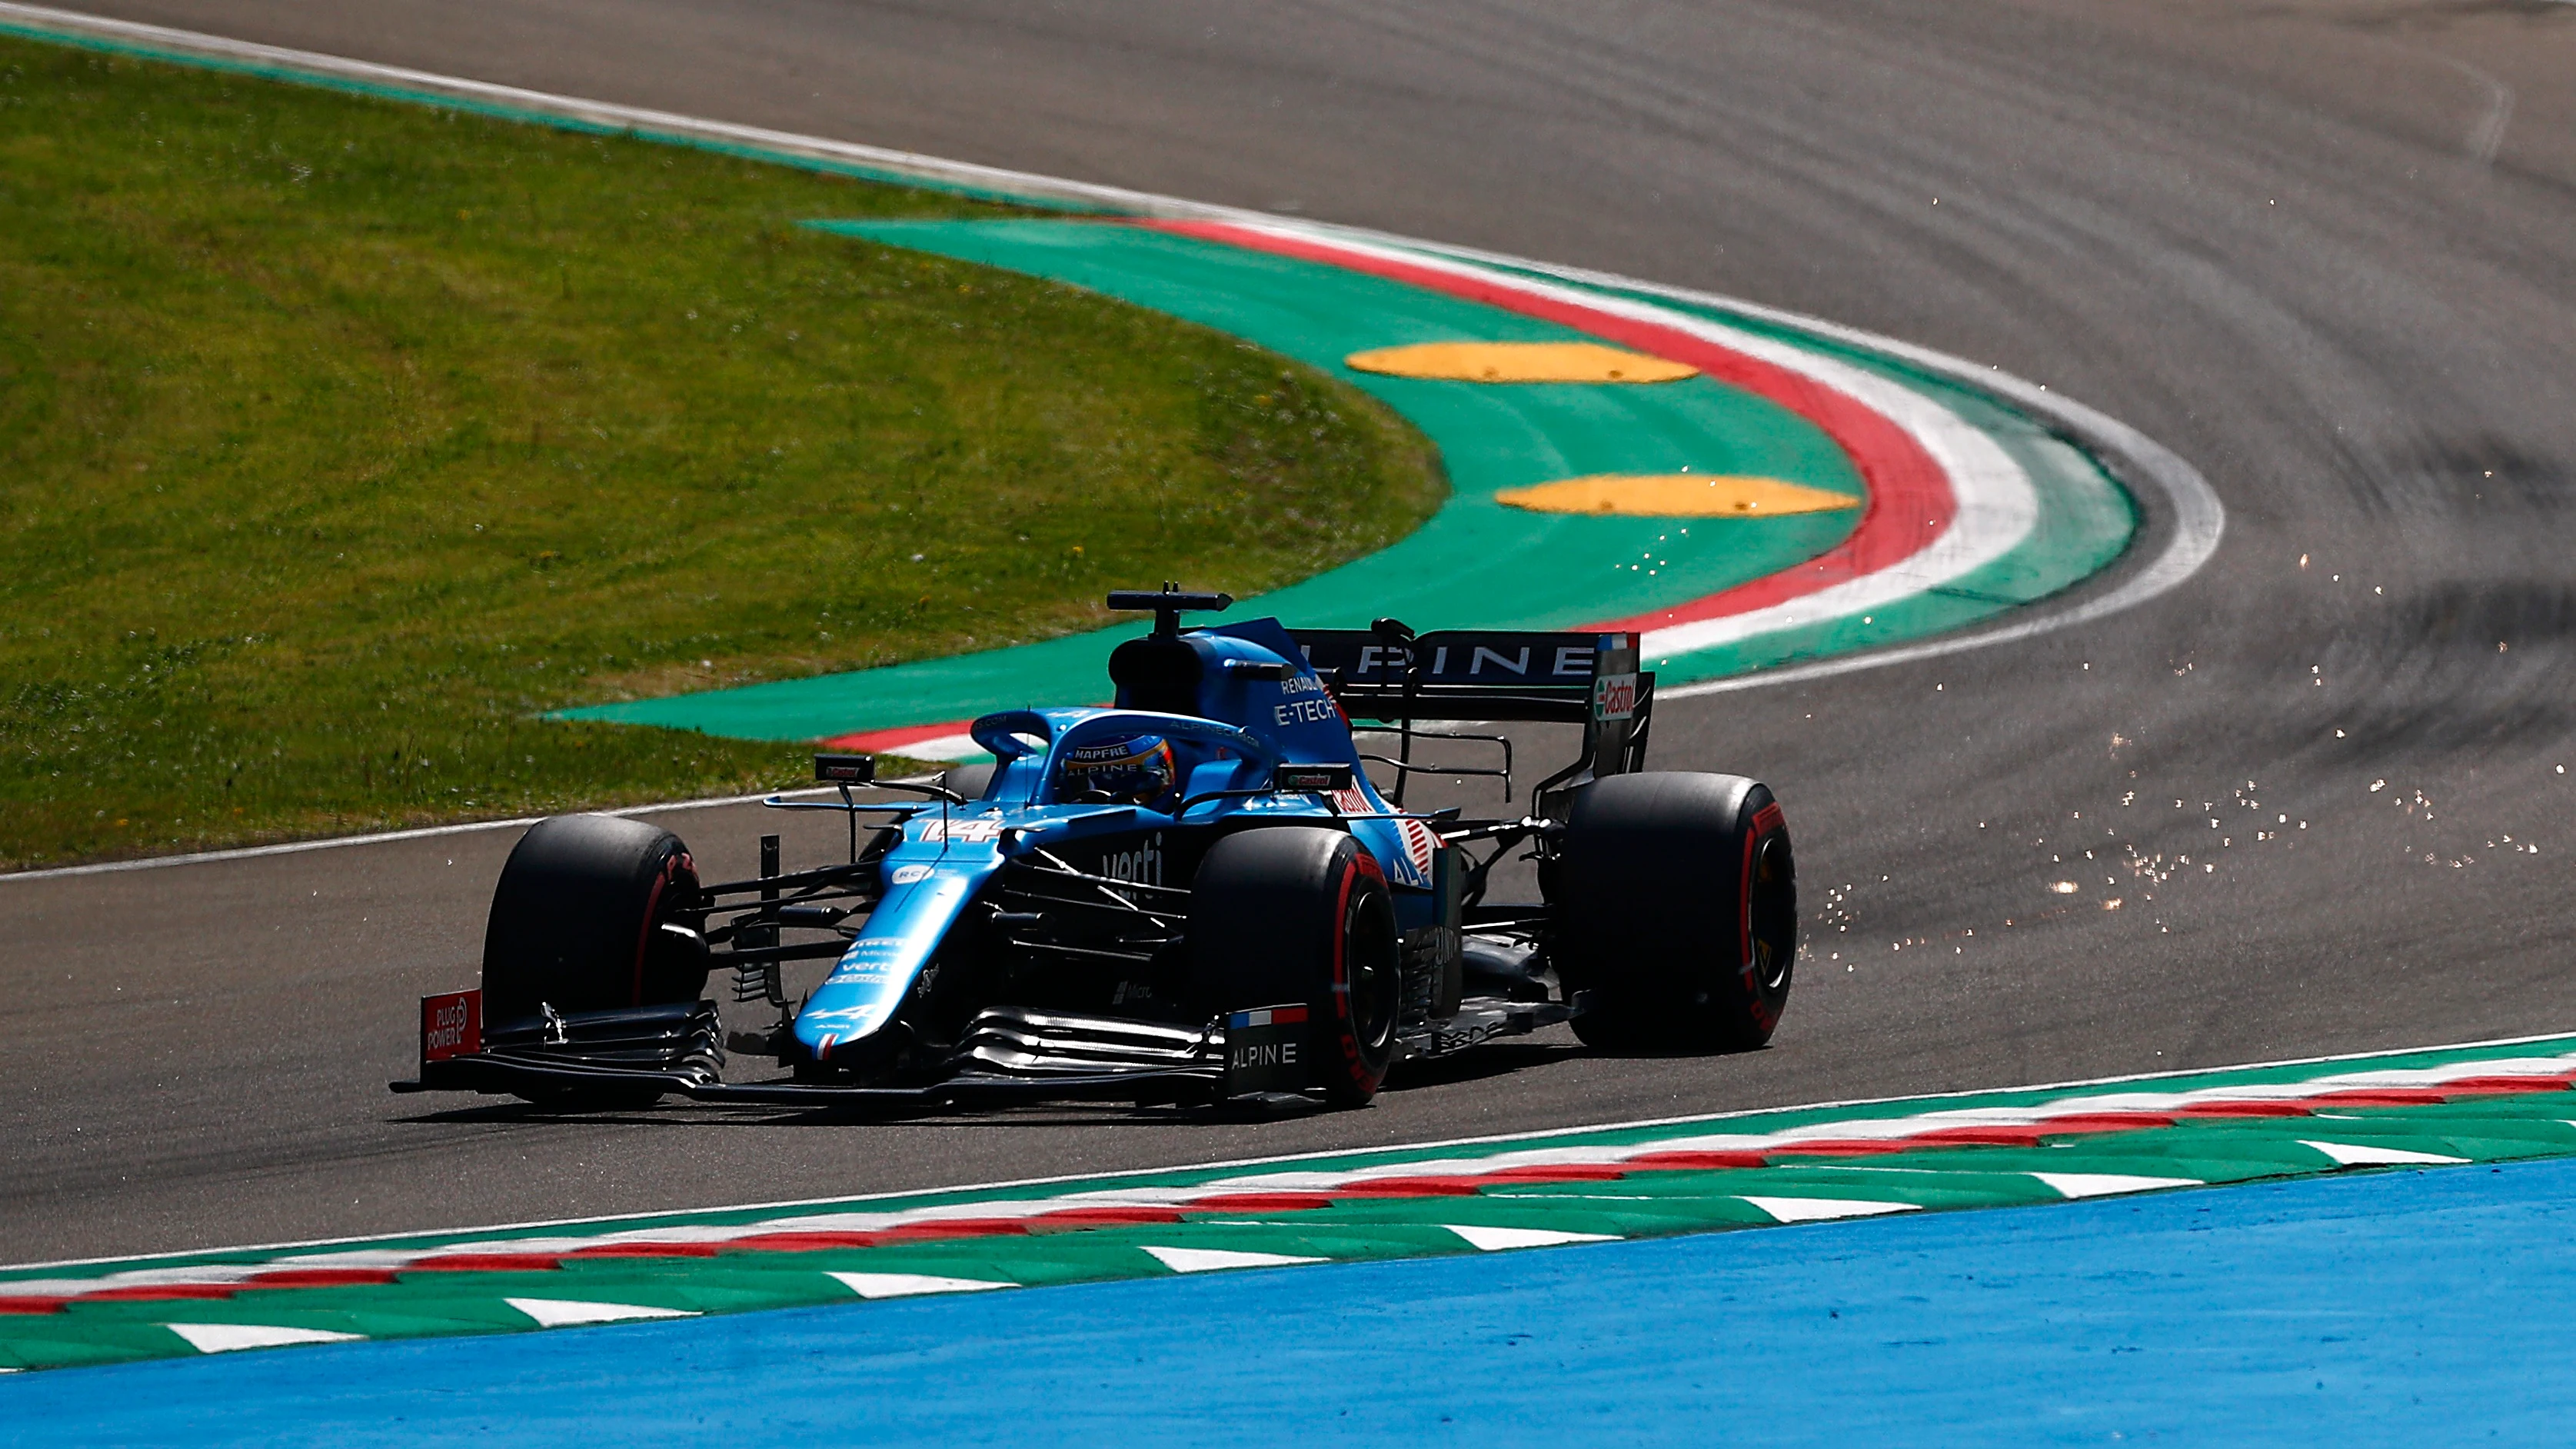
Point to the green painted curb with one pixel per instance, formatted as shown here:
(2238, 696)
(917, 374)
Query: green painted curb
(2086, 521)
(2486, 1103)
(1476, 563)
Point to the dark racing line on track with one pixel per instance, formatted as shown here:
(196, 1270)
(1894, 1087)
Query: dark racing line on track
(2265, 240)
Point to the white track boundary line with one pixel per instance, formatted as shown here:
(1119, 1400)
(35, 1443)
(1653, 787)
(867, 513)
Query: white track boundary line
(381, 837)
(995, 179)
(2199, 519)
(1228, 1164)
(1996, 502)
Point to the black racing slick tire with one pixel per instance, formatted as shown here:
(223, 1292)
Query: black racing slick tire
(1293, 913)
(1676, 904)
(586, 919)
(971, 781)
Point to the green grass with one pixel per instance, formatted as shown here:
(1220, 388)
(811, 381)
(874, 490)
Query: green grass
(338, 438)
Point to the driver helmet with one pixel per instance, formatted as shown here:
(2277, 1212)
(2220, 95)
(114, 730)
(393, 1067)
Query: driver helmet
(1133, 769)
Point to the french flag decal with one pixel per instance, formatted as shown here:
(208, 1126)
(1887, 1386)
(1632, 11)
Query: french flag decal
(1268, 1016)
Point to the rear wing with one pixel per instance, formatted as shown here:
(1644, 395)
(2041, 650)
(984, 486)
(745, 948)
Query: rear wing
(1482, 674)
(1590, 679)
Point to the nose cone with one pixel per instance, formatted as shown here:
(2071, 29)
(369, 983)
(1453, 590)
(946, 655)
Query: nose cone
(878, 970)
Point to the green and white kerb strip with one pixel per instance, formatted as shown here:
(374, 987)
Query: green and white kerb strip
(2489, 1102)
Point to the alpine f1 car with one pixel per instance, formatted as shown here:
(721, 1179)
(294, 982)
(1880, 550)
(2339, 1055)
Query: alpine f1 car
(1197, 893)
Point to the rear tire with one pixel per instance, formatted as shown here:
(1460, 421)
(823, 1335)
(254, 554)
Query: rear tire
(1296, 913)
(1677, 907)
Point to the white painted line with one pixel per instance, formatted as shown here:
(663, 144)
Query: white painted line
(1210, 1260)
(936, 169)
(1996, 504)
(2436, 1076)
(232, 1337)
(2349, 1154)
(2199, 519)
(2486, 138)
(1826, 1209)
(298, 847)
(361, 1258)
(1920, 1128)
(889, 1213)
(906, 1285)
(2072, 1185)
(1496, 1240)
(566, 1312)
(952, 748)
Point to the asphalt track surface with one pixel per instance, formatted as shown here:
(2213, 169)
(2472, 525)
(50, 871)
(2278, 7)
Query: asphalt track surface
(2321, 250)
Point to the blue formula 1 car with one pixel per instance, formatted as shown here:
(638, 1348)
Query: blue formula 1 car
(1195, 894)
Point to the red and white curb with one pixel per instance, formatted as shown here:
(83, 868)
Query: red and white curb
(1673, 1148)
(2197, 518)
(1944, 499)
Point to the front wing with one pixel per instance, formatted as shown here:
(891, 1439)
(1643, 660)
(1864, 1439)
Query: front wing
(1010, 1055)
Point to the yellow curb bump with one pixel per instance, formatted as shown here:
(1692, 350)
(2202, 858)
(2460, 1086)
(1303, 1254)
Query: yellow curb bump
(1676, 495)
(1518, 362)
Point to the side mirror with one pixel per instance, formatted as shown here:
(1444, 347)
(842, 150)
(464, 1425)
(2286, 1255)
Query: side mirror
(846, 769)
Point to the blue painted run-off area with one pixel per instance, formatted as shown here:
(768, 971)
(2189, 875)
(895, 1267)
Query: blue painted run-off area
(2409, 1308)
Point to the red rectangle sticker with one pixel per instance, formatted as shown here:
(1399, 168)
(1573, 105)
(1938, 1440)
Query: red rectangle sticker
(451, 1025)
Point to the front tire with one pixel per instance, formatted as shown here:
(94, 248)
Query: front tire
(576, 925)
(577, 920)
(1296, 913)
(1677, 909)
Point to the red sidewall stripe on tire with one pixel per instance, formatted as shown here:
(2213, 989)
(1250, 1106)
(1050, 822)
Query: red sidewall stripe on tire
(652, 908)
(1910, 500)
(1361, 863)
(1766, 820)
